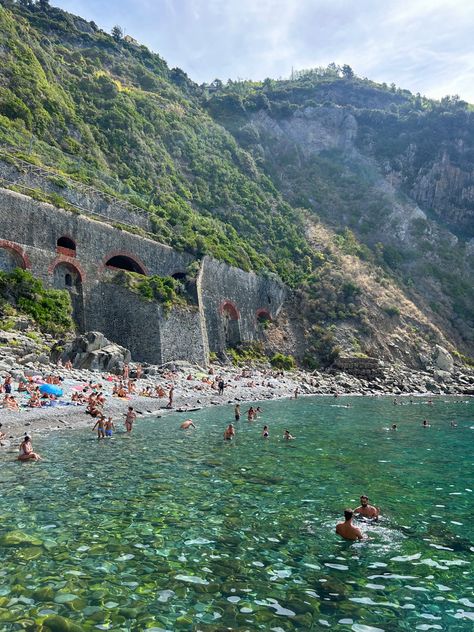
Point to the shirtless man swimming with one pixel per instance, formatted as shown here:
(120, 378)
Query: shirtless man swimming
(187, 424)
(366, 510)
(346, 529)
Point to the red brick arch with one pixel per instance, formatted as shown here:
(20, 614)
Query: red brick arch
(122, 253)
(71, 262)
(17, 249)
(228, 307)
(263, 313)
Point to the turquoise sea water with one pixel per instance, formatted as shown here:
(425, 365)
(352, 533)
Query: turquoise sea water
(174, 530)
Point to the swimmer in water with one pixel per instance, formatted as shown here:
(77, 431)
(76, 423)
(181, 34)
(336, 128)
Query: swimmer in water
(187, 424)
(229, 433)
(367, 511)
(287, 436)
(394, 427)
(347, 530)
(425, 424)
(453, 424)
(265, 433)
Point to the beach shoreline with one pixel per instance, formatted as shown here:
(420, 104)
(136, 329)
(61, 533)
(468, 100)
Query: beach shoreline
(192, 391)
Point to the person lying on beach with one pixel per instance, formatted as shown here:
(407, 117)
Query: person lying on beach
(100, 425)
(187, 424)
(287, 436)
(130, 417)
(34, 400)
(229, 433)
(26, 450)
(346, 529)
(265, 433)
(365, 510)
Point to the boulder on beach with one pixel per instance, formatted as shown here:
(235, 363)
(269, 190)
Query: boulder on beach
(93, 351)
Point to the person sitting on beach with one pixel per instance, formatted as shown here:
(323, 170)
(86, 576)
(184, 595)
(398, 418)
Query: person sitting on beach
(6, 400)
(109, 427)
(12, 404)
(99, 424)
(265, 433)
(287, 436)
(68, 365)
(160, 391)
(34, 400)
(22, 386)
(26, 450)
(365, 510)
(229, 433)
(187, 424)
(7, 384)
(130, 417)
(346, 529)
(2, 434)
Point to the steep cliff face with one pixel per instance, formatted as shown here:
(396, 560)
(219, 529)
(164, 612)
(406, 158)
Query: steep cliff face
(401, 182)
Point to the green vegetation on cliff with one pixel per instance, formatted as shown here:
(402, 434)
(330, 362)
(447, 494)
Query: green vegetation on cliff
(50, 309)
(247, 171)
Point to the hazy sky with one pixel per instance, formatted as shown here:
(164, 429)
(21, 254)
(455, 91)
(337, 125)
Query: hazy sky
(423, 45)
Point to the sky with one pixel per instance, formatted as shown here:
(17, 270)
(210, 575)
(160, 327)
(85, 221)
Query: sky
(422, 45)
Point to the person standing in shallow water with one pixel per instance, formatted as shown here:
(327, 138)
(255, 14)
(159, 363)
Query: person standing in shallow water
(229, 433)
(237, 412)
(347, 530)
(130, 418)
(366, 510)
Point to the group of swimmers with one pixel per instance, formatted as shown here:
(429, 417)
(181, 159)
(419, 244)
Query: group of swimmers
(368, 512)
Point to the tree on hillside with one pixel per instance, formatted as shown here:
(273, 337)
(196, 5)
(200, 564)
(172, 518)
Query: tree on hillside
(43, 5)
(347, 72)
(117, 33)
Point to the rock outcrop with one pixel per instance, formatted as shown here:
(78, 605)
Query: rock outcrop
(93, 351)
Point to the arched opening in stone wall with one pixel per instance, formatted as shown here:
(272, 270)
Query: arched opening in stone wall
(231, 324)
(12, 256)
(66, 246)
(263, 316)
(9, 260)
(124, 262)
(67, 277)
(180, 276)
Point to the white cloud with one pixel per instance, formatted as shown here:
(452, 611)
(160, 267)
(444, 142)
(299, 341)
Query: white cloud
(422, 45)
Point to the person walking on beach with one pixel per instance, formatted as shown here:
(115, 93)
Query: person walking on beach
(346, 529)
(221, 386)
(99, 424)
(229, 433)
(130, 418)
(296, 392)
(237, 412)
(26, 450)
(170, 397)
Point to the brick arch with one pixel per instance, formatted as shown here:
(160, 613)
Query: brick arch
(65, 250)
(263, 314)
(18, 250)
(71, 262)
(228, 307)
(123, 253)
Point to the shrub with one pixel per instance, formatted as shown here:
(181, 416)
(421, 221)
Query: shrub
(281, 361)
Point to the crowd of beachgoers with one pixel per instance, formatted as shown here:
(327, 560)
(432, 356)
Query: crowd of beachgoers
(55, 397)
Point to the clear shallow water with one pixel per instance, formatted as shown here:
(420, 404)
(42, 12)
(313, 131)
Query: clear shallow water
(173, 530)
